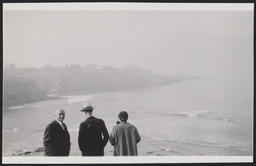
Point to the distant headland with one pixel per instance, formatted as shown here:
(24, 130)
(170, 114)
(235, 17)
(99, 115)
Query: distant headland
(25, 85)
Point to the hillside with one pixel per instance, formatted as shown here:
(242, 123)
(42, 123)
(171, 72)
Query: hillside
(20, 90)
(23, 85)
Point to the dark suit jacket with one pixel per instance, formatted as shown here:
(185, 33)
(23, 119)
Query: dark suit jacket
(93, 137)
(56, 140)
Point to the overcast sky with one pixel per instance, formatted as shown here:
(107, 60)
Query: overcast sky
(199, 43)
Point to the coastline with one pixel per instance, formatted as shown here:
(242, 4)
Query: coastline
(83, 93)
(147, 147)
(153, 143)
(20, 105)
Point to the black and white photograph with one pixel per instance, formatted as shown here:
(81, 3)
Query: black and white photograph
(127, 82)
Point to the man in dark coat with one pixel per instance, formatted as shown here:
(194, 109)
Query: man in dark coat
(56, 136)
(93, 135)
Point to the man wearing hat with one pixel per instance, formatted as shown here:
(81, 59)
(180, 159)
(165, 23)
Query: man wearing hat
(124, 137)
(93, 135)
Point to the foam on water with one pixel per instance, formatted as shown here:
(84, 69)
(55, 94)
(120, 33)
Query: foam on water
(16, 107)
(39, 130)
(194, 114)
(190, 113)
(200, 114)
(141, 111)
(36, 105)
(51, 95)
(28, 151)
(74, 99)
(12, 130)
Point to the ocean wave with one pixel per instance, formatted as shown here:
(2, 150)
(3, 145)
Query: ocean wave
(186, 144)
(201, 114)
(27, 152)
(193, 114)
(190, 113)
(164, 148)
(222, 119)
(51, 95)
(140, 111)
(12, 130)
(158, 138)
(39, 130)
(16, 107)
(74, 99)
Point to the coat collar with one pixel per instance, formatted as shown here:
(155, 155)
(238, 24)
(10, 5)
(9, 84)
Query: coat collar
(90, 118)
(58, 124)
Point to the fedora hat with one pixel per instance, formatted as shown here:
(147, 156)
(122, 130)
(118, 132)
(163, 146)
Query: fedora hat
(87, 108)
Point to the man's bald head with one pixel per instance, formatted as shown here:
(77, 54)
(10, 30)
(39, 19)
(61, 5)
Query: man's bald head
(60, 115)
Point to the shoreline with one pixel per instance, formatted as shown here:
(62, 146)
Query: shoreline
(82, 93)
(145, 148)
(150, 147)
(12, 107)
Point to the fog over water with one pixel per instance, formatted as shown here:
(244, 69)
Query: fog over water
(205, 43)
(210, 114)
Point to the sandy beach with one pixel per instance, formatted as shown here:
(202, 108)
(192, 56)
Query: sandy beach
(150, 147)
(146, 147)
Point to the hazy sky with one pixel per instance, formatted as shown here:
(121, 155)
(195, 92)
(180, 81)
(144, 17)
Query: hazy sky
(168, 42)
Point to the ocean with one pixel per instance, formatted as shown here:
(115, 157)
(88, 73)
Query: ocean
(209, 116)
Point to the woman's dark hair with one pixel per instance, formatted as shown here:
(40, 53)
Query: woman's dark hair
(123, 116)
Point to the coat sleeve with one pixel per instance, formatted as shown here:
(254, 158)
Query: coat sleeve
(68, 139)
(137, 136)
(69, 145)
(48, 136)
(112, 137)
(81, 137)
(105, 134)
